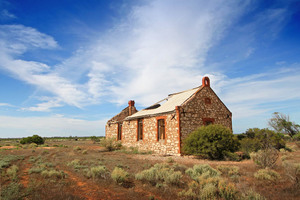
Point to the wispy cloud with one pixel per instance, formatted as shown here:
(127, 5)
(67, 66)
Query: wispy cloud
(6, 105)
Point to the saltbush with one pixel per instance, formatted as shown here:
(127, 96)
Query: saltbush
(265, 158)
(12, 171)
(202, 171)
(34, 139)
(98, 172)
(110, 144)
(292, 171)
(160, 174)
(229, 170)
(119, 175)
(53, 173)
(212, 141)
(267, 174)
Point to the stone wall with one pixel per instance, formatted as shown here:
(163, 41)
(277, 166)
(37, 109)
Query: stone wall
(111, 130)
(204, 105)
(170, 145)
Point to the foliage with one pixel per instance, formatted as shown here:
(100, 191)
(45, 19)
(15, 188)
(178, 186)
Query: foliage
(160, 173)
(297, 137)
(119, 175)
(281, 123)
(267, 174)
(34, 139)
(211, 141)
(228, 170)
(292, 170)
(54, 173)
(98, 172)
(12, 172)
(210, 188)
(265, 158)
(203, 170)
(11, 191)
(252, 195)
(95, 139)
(5, 160)
(249, 145)
(110, 144)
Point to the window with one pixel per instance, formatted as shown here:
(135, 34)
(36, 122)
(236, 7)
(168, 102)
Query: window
(161, 129)
(119, 137)
(208, 121)
(207, 101)
(140, 130)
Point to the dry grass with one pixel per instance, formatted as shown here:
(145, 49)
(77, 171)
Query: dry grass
(71, 182)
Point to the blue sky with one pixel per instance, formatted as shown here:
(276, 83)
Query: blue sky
(68, 66)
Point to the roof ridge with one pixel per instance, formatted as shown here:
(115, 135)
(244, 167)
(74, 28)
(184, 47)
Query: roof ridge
(183, 91)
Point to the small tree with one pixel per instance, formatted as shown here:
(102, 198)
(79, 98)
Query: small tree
(282, 124)
(212, 141)
(34, 139)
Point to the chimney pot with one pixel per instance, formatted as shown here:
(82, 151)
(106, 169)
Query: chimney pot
(131, 103)
(205, 82)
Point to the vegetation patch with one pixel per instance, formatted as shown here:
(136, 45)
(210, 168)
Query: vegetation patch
(160, 174)
(267, 174)
(98, 172)
(120, 176)
(212, 141)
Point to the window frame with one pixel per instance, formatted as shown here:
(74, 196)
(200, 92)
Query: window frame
(119, 131)
(158, 135)
(140, 130)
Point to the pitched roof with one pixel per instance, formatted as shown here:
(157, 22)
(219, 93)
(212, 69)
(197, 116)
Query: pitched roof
(166, 105)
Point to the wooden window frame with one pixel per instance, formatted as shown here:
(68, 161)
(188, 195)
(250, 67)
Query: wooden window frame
(208, 121)
(165, 128)
(140, 136)
(207, 100)
(119, 131)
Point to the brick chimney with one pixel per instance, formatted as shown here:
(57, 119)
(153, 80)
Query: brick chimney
(205, 82)
(131, 106)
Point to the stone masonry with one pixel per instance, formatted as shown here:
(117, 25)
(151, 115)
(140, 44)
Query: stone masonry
(202, 108)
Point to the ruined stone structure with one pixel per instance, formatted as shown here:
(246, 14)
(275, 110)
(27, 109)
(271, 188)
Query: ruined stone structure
(162, 127)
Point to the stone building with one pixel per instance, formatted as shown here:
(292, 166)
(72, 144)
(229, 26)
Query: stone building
(162, 127)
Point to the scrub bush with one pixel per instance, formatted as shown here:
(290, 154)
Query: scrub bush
(267, 174)
(119, 175)
(110, 144)
(212, 141)
(34, 139)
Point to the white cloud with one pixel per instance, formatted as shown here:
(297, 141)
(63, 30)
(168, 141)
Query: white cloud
(6, 105)
(45, 106)
(49, 126)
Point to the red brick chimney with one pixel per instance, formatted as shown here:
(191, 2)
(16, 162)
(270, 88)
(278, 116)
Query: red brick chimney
(205, 82)
(130, 105)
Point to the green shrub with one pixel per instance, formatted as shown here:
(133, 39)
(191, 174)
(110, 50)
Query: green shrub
(252, 195)
(297, 137)
(34, 139)
(95, 139)
(77, 148)
(210, 141)
(249, 145)
(110, 144)
(84, 152)
(267, 174)
(36, 170)
(11, 191)
(160, 174)
(229, 170)
(119, 175)
(210, 188)
(12, 171)
(202, 171)
(53, 173)
(76, 164)
(265, 158)
(98, 172)
(5, 160)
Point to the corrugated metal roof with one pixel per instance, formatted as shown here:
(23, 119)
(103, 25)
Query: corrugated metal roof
(166, 105)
